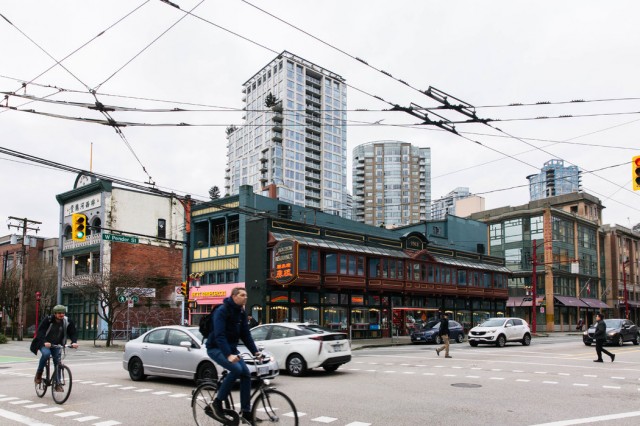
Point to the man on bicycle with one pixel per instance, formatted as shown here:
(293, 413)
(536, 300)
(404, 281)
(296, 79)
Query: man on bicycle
(53, 330)
(229, 326)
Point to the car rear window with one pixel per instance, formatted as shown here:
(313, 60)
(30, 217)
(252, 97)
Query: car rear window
(312, 329)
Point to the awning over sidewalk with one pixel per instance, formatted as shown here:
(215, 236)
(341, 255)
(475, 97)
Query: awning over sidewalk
(595, 303)
(570, 301)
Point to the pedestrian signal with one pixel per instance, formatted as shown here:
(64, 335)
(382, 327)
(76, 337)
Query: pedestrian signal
(635, 173)
(78, 227)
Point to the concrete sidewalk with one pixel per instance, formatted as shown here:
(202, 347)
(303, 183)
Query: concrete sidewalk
(406, 340)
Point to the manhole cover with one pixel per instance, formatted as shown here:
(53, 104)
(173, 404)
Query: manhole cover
(466, 385)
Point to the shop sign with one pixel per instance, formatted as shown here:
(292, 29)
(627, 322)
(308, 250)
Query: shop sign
(285, 256)
(414, 243)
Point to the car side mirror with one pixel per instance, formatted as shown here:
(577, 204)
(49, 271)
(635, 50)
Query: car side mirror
(186, 344)
(508, 325)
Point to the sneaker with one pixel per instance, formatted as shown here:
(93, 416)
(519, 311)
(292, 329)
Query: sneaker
(38, 379)
(613, 357)
(59, 388)
(597, 360)
(438, 352)
(448, 356)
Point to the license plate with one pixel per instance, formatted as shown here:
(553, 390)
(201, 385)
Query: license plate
(263, 369)
(337, 348)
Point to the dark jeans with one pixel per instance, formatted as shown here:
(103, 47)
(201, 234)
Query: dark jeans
(45, 353)
(599, 349)
(236, 369)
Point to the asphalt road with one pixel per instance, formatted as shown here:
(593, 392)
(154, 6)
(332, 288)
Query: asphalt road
(553, 381)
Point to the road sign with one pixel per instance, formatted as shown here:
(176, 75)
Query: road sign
(135, 298)
(179, 298)
(130, 303)
(120, 238)
(122, 298)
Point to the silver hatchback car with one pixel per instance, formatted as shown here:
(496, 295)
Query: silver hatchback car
(178, 351)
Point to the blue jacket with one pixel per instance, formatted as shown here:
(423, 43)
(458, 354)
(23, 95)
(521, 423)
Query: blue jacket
(230, 325)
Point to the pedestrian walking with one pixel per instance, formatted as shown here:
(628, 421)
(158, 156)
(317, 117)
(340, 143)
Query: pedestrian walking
(443, 332)
(601, 337)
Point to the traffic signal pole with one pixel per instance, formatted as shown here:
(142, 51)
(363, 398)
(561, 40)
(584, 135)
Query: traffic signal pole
(534, 261)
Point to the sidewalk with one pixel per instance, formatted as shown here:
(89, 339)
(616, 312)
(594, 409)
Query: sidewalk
(406, 340)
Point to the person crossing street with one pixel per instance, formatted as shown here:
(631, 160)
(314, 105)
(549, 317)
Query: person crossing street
(443, 332)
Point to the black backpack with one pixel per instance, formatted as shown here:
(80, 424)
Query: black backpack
(205, 326)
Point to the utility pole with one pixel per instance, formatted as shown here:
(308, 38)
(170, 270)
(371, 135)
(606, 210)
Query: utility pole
(25, 226)
(533, 287)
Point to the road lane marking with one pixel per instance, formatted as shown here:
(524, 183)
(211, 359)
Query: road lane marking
(580, 384)
(21, 419)
(86, 418)
(523, 380)
(107, 423)
(38, 405)
(358, 424)
(611, 387)
(324, 419)
(50, 409)
(68, 414)
(549, 382)
(592, 419)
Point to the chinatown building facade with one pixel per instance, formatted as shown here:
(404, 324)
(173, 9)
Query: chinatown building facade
(302, 265)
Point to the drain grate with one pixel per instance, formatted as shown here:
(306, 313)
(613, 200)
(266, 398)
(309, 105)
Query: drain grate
(466, 385)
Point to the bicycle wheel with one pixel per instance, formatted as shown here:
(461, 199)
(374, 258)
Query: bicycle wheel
(41, 388)
(273, 406)
(61, 381)
(202, 409)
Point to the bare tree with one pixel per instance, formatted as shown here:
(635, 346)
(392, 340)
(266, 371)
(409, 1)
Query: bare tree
(107, 289)
(214, 192)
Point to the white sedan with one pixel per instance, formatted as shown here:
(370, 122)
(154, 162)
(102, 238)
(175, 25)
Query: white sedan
(298, 347)
(177, 351)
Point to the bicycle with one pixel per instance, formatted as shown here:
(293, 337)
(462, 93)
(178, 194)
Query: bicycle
(60, 381)
(269, 405)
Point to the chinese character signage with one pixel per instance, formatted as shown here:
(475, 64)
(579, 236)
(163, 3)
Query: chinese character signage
(285, 259)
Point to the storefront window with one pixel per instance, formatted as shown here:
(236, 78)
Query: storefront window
(335, 318)
(462, 277)
(311, 297)
(311, 314)
(278, 313)
(374, 268)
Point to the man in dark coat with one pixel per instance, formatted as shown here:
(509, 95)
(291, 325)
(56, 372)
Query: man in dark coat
(53, 330)
(230, 325)
(601, 337)
(443, 332)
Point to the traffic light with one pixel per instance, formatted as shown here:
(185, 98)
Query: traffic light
(635, 173)
(78, 227)
(184, 288)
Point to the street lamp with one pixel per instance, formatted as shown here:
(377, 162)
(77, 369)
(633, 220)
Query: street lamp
(533, 288)
(37, 312)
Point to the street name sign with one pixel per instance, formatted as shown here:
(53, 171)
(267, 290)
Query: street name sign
(120, 238)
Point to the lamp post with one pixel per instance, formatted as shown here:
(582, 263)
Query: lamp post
(37, 312)
(534, 261)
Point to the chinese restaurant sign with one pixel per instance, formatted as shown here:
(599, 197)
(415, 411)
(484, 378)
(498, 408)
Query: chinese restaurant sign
(285, 259)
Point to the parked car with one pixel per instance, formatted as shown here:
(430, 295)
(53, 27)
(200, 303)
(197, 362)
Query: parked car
(499, 331)
(619, 330)
(298, 347)
(178, 351)
(428, 332)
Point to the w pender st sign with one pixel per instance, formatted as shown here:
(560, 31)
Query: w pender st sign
(285, 259)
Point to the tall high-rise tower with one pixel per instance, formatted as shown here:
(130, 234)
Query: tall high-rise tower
(554, 179)
(391, 183)
(294, 137)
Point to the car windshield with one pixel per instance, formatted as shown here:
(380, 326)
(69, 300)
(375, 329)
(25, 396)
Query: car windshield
(613, 323)
(493, 322)
(196, 332)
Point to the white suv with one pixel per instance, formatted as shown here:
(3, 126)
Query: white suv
(499, 331)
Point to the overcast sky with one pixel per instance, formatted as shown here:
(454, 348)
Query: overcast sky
(485, 53)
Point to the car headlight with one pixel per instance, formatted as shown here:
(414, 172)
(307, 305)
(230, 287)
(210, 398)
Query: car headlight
(585, 333)
(611, 333)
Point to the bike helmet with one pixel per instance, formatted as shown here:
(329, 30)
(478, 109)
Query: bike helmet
(59, 309)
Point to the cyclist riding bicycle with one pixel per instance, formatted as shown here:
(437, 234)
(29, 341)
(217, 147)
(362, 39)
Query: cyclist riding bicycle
(229, 326)
(53, 330)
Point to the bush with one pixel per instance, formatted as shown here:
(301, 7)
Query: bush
(3, 338)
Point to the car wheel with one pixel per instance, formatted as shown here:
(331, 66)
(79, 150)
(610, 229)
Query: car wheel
(331, 368)
(635, 341)
(438, 340)
(474, 344)
(501, 341)
(587, 343)
(207, 373)
(460, 338)
(296, 366)
(136, 369)
(526, 340)
(619, 340)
